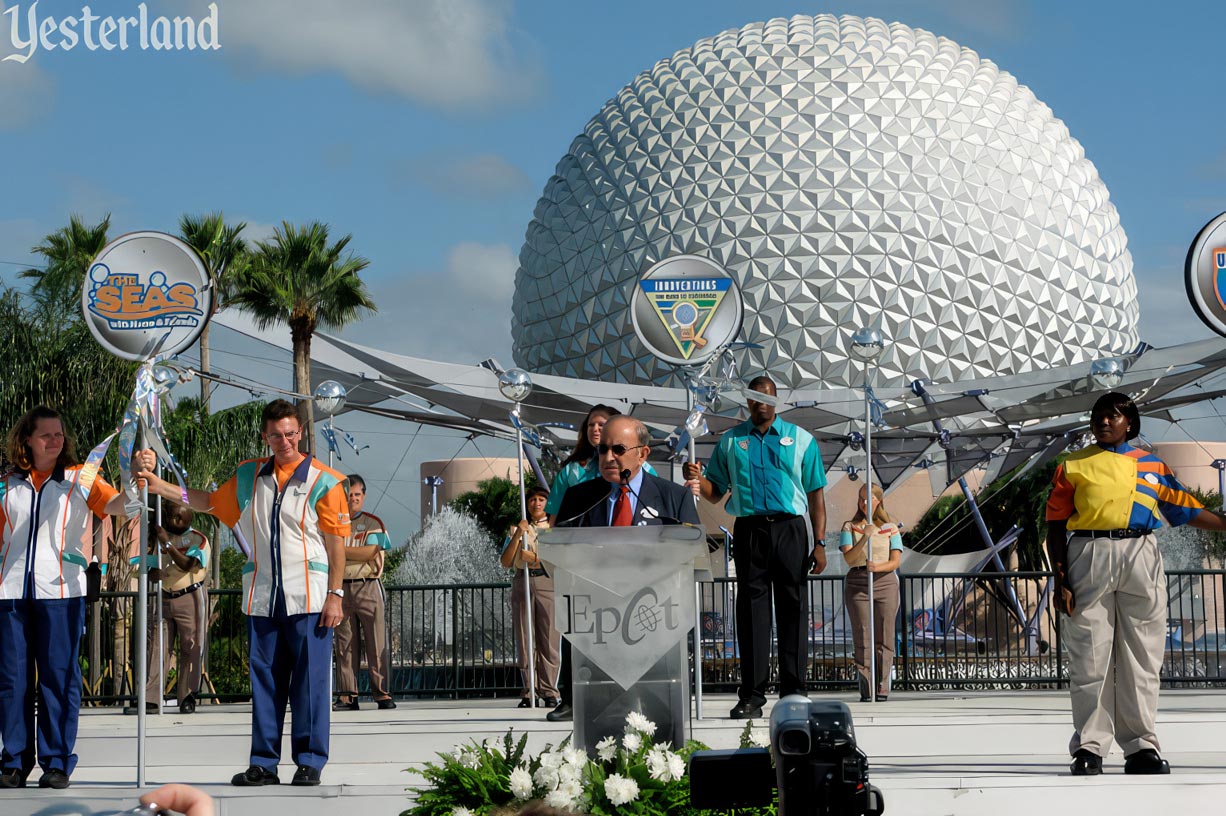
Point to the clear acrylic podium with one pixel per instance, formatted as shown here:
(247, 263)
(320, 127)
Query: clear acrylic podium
(624, 598)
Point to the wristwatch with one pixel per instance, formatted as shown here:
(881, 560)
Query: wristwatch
(340, 593)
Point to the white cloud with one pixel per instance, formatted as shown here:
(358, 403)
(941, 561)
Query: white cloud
(484, 271)
(461, 313)
(459, 55)
(482, 175)
(26, 92)
(255, 230)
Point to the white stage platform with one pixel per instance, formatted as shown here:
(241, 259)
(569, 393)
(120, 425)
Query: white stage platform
(938, 753)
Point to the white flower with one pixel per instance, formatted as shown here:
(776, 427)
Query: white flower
(606, 749)
(569, 773)
(571, 788)
(521, 783)
(620, 790)
(469, 759)
(676, 766)
(574, 756)
(632, 742)
(546, 777)
(636, 721)
(558, 799)
(551, 760)
(492, 746)
(657, 764)
(760, 739)
(461, 811)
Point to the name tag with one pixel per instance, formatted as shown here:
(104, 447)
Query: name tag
(787, 441)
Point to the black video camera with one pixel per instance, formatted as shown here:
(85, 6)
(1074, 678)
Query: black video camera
(817, 767)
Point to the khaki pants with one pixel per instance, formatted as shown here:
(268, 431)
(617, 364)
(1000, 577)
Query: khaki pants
(885, 612)
(182, 617)
(1115, 639)
(363, 607)
(546, 640)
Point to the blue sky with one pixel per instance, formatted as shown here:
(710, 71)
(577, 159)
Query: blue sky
(428, 130)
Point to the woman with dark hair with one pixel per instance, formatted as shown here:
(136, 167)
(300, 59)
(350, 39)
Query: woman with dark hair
(1110, 585)
(45, 510)
(581, 465)
(872, 549)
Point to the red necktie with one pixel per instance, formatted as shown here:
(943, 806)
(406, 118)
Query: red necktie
(621, 508)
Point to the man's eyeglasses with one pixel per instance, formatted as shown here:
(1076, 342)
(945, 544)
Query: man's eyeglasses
(618, 450)
(276, 437)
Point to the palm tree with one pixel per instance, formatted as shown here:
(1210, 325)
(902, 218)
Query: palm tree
(223, 252)
(300, 279)
(69, 251)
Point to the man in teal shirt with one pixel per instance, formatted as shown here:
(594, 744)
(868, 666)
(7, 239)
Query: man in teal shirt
(775, 473)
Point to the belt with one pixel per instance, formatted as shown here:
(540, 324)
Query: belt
(1128, 532)
(856, 569)
(771, 518)
(179, 593)
(537, 572)
(357, 580)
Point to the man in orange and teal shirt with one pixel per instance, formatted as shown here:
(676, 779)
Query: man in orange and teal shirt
(292, 510)
(1109, 582)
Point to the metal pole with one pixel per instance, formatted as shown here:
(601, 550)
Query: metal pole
(868, 486)
(332, 436)
(142, 635)
(158, 617)
(693, 450)
(530, 645)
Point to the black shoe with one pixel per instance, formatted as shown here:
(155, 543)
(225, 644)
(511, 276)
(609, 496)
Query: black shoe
(255, 777)
(864, 698)
(385, 703)
(881, 698)
(12, 778)
(550, 702)
(53, 779)
(745, 710)
(306, 776)
(352, 705)
(524, 702)
(1086, 763)
(188, 705)
(563, 713)
(150, 708)
(1146, 761)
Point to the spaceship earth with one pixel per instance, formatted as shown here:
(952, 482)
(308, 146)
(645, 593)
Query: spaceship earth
(847, 172)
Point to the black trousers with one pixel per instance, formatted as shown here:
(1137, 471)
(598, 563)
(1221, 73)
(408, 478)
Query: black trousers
(771, 554)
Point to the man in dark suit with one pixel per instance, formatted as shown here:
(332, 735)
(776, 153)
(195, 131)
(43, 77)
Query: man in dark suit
(624, 496)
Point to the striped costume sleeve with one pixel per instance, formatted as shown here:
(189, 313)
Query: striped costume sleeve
(1155, 479)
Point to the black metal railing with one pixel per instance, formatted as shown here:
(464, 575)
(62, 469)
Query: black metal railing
(954, 630)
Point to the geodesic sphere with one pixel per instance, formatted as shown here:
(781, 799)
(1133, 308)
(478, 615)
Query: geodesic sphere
(848, 173)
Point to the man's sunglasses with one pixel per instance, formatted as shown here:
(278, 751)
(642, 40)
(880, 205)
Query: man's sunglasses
(618, 450)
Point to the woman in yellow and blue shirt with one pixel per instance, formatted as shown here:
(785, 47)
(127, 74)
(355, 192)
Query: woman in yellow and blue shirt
(1105, 503)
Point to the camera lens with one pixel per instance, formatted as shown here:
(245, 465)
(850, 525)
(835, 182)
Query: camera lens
(794, 741)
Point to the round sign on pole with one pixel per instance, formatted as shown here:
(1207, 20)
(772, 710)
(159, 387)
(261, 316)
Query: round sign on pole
(685, 309)
(1205, 274)
(147, 293)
